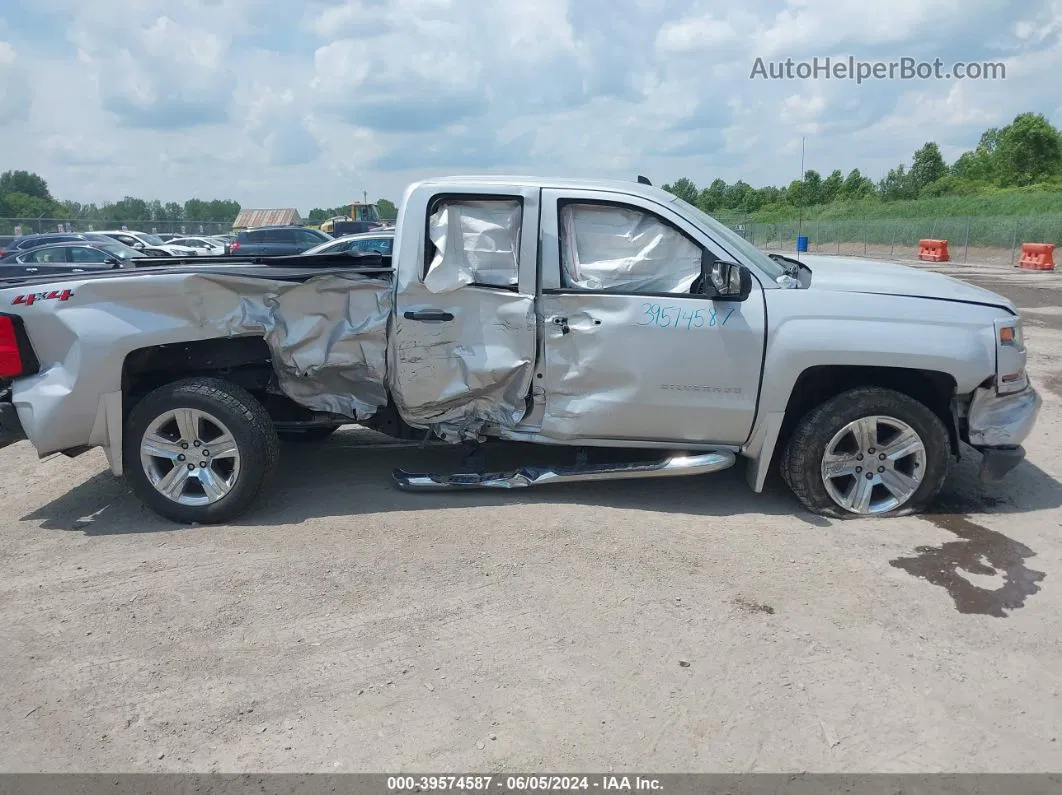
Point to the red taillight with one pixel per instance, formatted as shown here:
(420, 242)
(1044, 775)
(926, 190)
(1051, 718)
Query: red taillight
(235, 244)
(10, 354)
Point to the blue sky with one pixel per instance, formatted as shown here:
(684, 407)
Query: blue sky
(310, 103)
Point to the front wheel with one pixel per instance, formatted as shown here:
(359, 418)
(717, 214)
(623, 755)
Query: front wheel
(867, 452)
(199, 450)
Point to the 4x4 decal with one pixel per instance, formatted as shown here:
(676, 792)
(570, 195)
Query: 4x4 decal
(52, 295)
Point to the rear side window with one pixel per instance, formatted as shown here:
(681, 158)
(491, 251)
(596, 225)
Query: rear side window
(48, 255)
(473, 242)
(307, 237)
(270, 236)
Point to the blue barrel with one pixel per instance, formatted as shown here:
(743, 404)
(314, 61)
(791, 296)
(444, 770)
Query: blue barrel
(802, 244)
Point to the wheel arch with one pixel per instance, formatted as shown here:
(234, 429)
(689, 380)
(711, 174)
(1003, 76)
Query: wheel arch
(819, 383)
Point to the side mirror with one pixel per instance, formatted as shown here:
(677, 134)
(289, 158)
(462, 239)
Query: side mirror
(726, 281)
(111, 261)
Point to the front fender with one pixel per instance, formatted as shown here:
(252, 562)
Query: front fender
(874, 331)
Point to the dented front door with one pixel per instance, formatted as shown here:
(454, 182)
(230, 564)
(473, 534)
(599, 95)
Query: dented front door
(462, 346)
(630, 354)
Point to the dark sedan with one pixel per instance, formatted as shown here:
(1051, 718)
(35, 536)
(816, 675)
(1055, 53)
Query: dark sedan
(70, 257)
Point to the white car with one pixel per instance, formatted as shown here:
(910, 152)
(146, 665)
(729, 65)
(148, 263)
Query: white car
(203, 246)
(142, 240)
(370, 242)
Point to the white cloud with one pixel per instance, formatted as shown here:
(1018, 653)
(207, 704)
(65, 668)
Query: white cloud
(694, 35)
(15, 93)
(272, 102)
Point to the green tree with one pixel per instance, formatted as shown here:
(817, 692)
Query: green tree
(737, 196)
(831, 186)
(812, 187)
(1029, 151)
(684, 189)
(26, 183)
(856, 186)
(897, 185)
(388, 210)
(713, 197)
(927, 166)
(22, 205)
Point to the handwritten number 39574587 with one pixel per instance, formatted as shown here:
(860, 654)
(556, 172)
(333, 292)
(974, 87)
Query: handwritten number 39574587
(676, 317)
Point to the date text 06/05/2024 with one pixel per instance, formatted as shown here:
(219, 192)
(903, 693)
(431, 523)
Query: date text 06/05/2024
(521, 783)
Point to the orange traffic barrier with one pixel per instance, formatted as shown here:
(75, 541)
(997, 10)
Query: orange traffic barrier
(1037, 256)
(933, 250)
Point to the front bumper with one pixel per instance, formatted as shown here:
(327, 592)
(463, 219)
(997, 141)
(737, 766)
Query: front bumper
(11, 430)
(998, 424)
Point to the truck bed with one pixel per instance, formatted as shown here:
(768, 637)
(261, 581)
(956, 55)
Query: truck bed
(294, 268)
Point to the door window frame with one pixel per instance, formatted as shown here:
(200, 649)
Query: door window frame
(428, 254)
(561, 203)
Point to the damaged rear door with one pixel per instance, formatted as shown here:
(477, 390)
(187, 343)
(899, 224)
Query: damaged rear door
(463, 342)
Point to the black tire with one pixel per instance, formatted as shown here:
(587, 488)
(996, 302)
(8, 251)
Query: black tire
(802, 460)
(317, 433)
(250, 426)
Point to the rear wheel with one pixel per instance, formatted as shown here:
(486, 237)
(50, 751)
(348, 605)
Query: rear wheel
(867, 452)
(199, 450)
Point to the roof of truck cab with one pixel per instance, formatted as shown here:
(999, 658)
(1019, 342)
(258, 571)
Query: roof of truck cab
(561, 183)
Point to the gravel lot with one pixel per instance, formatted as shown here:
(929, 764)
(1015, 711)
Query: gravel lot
(676, 625)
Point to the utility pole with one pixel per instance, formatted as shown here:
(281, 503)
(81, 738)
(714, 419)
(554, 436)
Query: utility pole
(800, 209)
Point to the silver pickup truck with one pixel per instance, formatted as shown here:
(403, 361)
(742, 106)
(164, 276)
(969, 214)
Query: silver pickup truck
(585, 314)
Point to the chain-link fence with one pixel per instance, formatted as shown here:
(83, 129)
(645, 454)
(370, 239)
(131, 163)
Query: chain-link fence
(33, 226)
(972, 239)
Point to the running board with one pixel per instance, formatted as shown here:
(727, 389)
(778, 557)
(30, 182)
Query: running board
(536, 476)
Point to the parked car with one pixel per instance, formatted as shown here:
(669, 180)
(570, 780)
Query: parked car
(268, 241)
(142, 240)
(26, 242)
(371, 243)
(6, 243)
(522, 309)
(73, 257)
(203, 246)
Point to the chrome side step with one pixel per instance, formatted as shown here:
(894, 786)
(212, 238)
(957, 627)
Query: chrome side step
(678, 466)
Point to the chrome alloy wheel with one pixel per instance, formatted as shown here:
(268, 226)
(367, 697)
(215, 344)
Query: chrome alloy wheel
(190, 457)
(873, 465)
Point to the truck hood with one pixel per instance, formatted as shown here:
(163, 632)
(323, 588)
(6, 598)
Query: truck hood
(852, 275)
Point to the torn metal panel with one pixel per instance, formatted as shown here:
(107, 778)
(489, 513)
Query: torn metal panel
(462, 375)
(476, 242)
(1002, 420)
(327, 335)
(463, 359)
(618, 248)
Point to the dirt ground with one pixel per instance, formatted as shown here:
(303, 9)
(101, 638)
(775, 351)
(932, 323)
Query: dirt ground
(668, 625)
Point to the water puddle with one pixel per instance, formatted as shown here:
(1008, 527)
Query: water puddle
(981, 554)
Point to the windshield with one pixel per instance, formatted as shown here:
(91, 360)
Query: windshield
(731, 238)
(120, 251)
(152, 240)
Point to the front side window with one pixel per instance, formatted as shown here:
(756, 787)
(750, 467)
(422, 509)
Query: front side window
(474, 241)
(619, 248)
